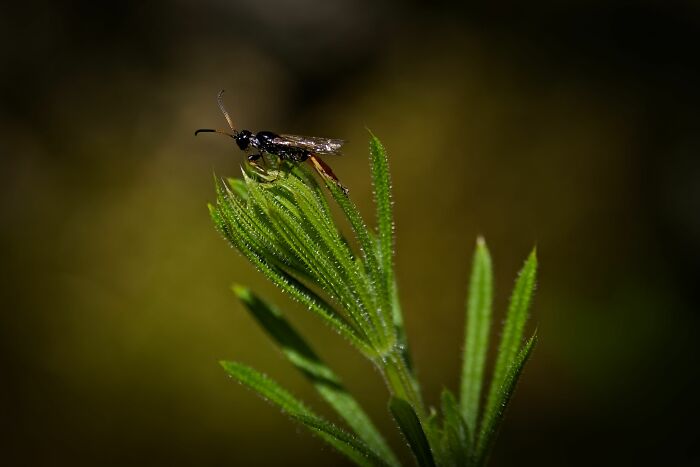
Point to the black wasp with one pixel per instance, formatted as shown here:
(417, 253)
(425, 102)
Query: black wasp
(287, 147)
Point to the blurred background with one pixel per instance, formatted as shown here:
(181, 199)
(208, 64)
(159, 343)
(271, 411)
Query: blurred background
(571, 126)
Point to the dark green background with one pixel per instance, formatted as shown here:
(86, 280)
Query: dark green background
(572, 128)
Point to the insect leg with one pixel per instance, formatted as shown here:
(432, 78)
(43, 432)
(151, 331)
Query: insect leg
(252, 160)
(325, 171)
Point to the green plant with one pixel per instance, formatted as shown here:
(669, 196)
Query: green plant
(282, 223)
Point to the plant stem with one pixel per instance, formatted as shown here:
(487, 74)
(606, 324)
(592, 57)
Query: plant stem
(400, 381)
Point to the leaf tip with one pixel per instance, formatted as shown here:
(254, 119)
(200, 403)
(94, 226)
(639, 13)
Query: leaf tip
(533, 255)
(242, 292)
(481, 244)
(534, 336)
(482, 250)
(375, 144)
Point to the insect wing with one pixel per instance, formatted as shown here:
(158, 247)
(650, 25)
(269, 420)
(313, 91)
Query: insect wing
(314, 144)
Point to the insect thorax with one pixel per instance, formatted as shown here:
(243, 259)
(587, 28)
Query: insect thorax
(265, 141)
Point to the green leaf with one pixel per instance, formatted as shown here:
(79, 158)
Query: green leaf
(479, 306)
(494, 414)
(382, 197)
(300, 292)
(381, 180)
(257, 230)
(321, 376)
(348, 269)
(326, 271)
(369, 254)
(341, 440)
(433, 431)
(456, 434)
(512, 337)
(412, 430)
(239, 187)
(297, 219)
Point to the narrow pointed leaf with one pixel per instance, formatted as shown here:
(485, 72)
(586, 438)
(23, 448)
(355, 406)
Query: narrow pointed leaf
(433, 431)
(512, 337)
(314, 240)
(479, 306)
(456, 433)
(326, 382)
(379, 165)
(238, 186)
(494, 414)
(350, 271)
(382, 196)
(326, 272)
(401, 338)
(341, 440)
(258, 232)
(369, 254)
(381, 180)
(412, 431)
(289, 284)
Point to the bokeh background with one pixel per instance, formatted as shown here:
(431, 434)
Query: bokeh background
(573, 126)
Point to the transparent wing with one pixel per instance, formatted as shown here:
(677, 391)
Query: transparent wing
(316, 145)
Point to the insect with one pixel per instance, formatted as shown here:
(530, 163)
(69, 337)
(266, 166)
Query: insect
(287, 147)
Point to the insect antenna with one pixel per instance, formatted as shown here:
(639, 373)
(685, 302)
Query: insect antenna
(210, 130)
(220, 100)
